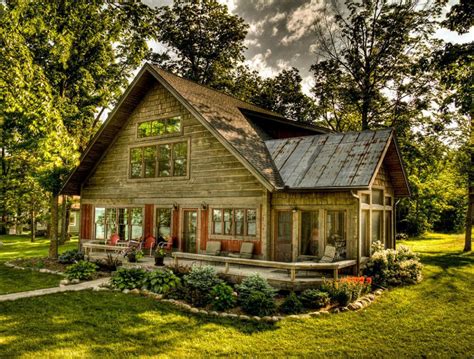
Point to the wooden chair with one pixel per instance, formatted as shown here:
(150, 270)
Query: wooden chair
(329, 255)
(213, 248)
(246, 251)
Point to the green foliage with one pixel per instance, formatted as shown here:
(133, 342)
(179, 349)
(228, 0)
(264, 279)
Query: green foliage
(291, 304)
(71, 256)
(81, 270)
(256, 296)
(199, 283)
(180, 270)
(128, 278)
(161, 281)
(391, 267)
(109, 264)
(222, 297)
(314, 298)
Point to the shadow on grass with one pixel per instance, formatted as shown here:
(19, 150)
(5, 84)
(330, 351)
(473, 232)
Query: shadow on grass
(447, 260)
(105, 323)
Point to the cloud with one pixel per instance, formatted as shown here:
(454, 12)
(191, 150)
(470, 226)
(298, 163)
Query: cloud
(256, 28)
(301, 20)
(307, 84)
(231, 4)
(277, 17)
(259, 63)
(251, 42)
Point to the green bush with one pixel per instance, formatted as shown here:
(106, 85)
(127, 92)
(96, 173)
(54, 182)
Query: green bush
(161, 281)
(222, 297)
(291, 305)
(314, 298)
(81, 270)
(198, 285)
(180, 270)
(128, 278)
(389, 267)
(256, 296)
(109, 264)
(71, 256)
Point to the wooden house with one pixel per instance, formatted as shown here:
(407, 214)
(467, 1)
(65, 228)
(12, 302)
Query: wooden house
(180, 159)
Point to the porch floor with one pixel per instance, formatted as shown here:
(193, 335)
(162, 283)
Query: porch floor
(278, 278)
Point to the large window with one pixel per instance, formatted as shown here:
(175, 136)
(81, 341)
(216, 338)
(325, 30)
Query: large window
(126, 222)
(234, 222)
(163, 222)
(164, 160)
(161, 127)
(309, 233)
(336, 232)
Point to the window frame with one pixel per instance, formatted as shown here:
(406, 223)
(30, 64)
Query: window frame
(129, 220)
(160, 118)
(232, 235)
(156, 144)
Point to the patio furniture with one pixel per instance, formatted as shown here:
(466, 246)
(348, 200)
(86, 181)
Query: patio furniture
(167, 244)
(114, 239)
(246, 251)
(329, 255)
(149, 243)
(213, 248)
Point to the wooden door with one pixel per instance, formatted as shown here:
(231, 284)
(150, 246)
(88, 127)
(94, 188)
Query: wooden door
(190, 217)
(284, 228)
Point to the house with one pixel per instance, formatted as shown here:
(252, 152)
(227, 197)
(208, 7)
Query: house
(180, 159)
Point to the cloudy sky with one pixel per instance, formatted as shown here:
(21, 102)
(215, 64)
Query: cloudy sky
(280, 33)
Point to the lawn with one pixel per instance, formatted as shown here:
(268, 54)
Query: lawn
(12, 280)
(432, 319)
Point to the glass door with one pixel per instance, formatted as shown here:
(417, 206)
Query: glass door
(190, 230)
(284, 228)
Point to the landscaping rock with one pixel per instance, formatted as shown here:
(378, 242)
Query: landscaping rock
(214, 313)
(244, 317)
(135, 291)
(64, 282)
(95, 289)
(203, 312)
(232, 315)
(371, 296)
(43, 270)
(276, 319)
(293, 316)
(257, 318)
(304, 316)
(186, 306)
(267, 319)
(314, 314)
(335, 310)
(325, 312)
(194, 310)
(378, 292)
(223, 315)
(126, 291)
(75, 281)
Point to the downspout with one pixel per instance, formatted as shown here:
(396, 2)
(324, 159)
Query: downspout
(358, 230)
(394, 219)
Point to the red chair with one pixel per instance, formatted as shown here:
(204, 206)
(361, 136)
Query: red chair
(114, 239)
(149, 243)
(167, 245)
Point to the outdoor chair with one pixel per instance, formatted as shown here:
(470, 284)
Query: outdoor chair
(329, 255)
(213, 248)
(167, 245)
(149, 243)
(246, 251)
(114, 239)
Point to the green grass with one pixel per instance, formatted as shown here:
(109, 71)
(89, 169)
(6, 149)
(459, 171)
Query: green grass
(13, 280)
(432, 319)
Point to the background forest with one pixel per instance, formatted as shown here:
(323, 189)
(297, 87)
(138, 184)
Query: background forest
(64, 64)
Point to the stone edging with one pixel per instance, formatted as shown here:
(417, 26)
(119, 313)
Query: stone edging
(41, 270)
(360, 303)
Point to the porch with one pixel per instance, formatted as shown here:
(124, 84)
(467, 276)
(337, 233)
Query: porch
(281, 275)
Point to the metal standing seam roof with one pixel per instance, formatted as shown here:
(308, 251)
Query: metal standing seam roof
(333, 160)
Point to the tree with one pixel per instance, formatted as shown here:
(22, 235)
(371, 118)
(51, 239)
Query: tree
(204, 41)
(374, 47)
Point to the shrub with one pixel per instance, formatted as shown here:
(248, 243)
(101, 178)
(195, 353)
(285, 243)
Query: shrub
(199, 283)
(81, 270)
(161, 281)
(180, 270)
(401, 236)
(347, 289)
(291, 305)
(109, 264)
(391, 267)
(128, 278)
(314, 299)
(222, 297)
(71, 256)
(256, 296)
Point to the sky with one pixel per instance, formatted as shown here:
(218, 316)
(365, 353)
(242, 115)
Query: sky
(280, 35)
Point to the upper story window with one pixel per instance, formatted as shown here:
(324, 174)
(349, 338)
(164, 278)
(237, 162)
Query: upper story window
(163, 160)
(160, 127)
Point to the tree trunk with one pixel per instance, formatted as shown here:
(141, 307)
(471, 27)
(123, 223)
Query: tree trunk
(64, 221)
(53, 245)
(33, 225)
(468, 236)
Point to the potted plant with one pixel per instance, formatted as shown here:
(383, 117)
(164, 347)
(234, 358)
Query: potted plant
(133, 254)
(159, 256)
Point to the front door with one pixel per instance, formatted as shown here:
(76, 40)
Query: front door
(284, 227)
(190, 230)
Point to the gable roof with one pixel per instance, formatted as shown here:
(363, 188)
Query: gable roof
(221, 114)
(338, 160)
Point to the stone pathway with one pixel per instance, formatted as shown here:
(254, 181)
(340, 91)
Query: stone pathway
(68, 288)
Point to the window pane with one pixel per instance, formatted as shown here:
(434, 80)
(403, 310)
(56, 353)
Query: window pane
(149, 154)
(251, 222)
(216, 220)
(111, 218)
(388, 229)
(227, 221)
(310, 233)
(365, 198)
(180, 154)
(136, 162)
(364, 235)
(336, 233)
(136, 222)
(123, 224)
(163, 222)
(164, 152)
(239, 222)
(388, 200)
(100, 223)
(376, 226)
(159, 127)
(284, 226)
(377, 196)
(144, 129)
(173, 125)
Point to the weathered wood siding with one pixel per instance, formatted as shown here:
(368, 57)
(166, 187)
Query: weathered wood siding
(216, 177)
(382, 179)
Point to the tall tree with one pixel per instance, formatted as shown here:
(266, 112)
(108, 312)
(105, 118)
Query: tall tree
(203, 41)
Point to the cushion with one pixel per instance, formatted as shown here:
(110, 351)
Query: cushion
(213, 248)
